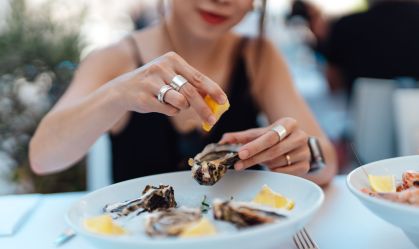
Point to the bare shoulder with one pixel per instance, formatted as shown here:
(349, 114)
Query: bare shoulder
(110, 61)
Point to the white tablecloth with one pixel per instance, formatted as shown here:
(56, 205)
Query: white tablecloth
(341, 223)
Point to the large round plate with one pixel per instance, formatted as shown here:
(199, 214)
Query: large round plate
(404, 216)
(242, 186)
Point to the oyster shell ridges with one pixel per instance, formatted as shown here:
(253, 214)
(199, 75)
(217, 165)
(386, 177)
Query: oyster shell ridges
(152, 198)
(209, 166)
(245, 214)
(171, 222)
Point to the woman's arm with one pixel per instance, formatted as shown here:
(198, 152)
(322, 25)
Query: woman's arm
(98, 98)
(280, 101)
(86, 110)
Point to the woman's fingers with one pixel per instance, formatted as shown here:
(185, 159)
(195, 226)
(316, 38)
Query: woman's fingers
(297, 169)
(267, 140)
(202, 83)
(162, 77)
(196, 83)
(162, 71)
(293, 141)
(176, 99)
(156, 106)
(242, 137)
(301, 154)
(198, 104)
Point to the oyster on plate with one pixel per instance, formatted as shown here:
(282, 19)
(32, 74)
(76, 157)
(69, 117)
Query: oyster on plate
(171, 222)
(245, 214)
(152, 198)
(209, 166)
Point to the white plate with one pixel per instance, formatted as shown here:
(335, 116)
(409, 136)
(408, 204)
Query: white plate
(242, 186)
(403, 216)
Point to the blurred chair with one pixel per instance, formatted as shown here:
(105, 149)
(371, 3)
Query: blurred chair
(406, 104)
(373, 119)
(99, 162)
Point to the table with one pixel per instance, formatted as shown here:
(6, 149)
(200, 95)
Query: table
(342, 222)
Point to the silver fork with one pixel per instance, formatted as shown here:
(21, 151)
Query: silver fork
(303, 240)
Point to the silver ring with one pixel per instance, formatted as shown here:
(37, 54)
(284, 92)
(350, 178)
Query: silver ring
(163, 90)
(177, 82)
(281, 131)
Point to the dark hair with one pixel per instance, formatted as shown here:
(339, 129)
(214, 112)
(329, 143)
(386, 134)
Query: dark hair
(299, 8)
(262, 18)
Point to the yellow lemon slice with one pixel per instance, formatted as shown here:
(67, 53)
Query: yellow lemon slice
(202, 228)
(382, 184)
(268, 197)
(216, 109)
(103, 225)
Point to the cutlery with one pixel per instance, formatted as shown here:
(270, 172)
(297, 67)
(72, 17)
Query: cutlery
(65, 236)
(303, 240)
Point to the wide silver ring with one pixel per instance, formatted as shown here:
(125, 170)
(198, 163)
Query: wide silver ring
(177, 82)
(163, 90)
(281, 131)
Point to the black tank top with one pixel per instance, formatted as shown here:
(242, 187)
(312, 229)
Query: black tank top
(149, 144)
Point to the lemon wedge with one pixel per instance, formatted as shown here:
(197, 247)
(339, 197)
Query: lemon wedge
(382, 184)
(103, 225)
(268, 197)
(216, 109)
(202, 228)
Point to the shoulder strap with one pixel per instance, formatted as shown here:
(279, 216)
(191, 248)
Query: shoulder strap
(136, 51)
(240, 47)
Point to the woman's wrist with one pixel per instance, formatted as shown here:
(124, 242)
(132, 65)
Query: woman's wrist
(113, 97)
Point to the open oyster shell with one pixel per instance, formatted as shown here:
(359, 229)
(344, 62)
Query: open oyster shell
(209, 166)
(245, 214)
(171, 222)
(152, 198)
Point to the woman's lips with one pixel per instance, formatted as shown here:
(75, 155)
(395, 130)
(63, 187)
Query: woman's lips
(212, 18)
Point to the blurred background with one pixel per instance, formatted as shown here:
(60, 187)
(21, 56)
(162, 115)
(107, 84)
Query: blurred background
(356, 62)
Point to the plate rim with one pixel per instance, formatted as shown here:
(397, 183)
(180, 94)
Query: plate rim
(216, 238)
(378, 201)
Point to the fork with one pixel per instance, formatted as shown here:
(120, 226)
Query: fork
(303, 240)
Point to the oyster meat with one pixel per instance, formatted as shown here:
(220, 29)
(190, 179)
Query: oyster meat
(171, 222)
(152, 198)
(209, 166)
(245, 214)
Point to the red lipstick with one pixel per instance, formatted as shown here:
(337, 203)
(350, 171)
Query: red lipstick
(212, 18)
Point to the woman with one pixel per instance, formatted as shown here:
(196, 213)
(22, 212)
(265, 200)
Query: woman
(115, 89)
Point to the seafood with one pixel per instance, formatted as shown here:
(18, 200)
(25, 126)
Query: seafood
(209, 166)
(171, 222)
(245, 214)
(409, 196)
(152, 198)
(410, 179)
(407, 192)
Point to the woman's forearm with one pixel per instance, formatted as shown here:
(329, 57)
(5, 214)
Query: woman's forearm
(65, 134)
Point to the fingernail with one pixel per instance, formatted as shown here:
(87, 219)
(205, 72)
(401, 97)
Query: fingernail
(212, 120)
(222, 99)
(244, 154)
(238, 166)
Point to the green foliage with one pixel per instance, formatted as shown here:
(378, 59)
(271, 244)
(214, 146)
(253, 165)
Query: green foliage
(32, 45)
(37, 40)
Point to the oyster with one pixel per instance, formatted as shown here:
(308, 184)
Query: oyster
(209, 166)
(152, 198)
(171, 222)
(245, 214)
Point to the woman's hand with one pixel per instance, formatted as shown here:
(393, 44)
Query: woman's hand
(291, 155)
(138, 90)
